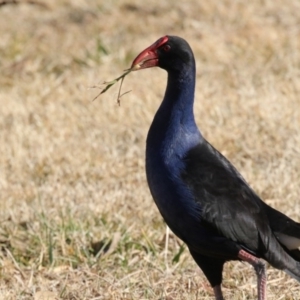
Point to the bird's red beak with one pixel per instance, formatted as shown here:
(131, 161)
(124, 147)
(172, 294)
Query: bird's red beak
(148, 58)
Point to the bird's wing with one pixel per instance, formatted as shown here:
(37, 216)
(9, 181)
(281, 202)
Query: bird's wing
(225, 200)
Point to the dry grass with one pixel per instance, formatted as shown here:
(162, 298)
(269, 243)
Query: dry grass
(72, 171)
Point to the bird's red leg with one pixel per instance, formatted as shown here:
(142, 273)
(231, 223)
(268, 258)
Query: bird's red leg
(218, 292)
(259, 268)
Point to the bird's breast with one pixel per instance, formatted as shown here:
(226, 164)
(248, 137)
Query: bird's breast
(173, 198)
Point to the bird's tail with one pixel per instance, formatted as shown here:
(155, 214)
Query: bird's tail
(295, 273)
(283, 259)
(294, 270)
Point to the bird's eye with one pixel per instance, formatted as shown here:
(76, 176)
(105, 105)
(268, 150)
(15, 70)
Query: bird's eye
(166, 47)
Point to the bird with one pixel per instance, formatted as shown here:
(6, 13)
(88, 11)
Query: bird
(201, 196)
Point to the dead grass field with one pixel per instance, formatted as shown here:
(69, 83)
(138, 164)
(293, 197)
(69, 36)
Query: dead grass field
(72, 178)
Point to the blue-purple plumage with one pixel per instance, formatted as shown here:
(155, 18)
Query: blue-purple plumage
(201, 196)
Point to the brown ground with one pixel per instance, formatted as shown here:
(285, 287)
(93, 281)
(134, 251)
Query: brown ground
(72, 177)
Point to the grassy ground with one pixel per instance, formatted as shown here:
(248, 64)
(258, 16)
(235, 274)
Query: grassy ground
(77, 220)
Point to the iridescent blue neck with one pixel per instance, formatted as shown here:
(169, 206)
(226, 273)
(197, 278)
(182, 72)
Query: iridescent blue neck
(174, 121)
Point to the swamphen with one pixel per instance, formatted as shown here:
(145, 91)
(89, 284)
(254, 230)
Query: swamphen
(199, 193)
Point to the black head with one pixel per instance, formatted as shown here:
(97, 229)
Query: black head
(171, 53)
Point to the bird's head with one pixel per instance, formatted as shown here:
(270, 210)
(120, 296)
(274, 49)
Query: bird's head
(171, 53)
